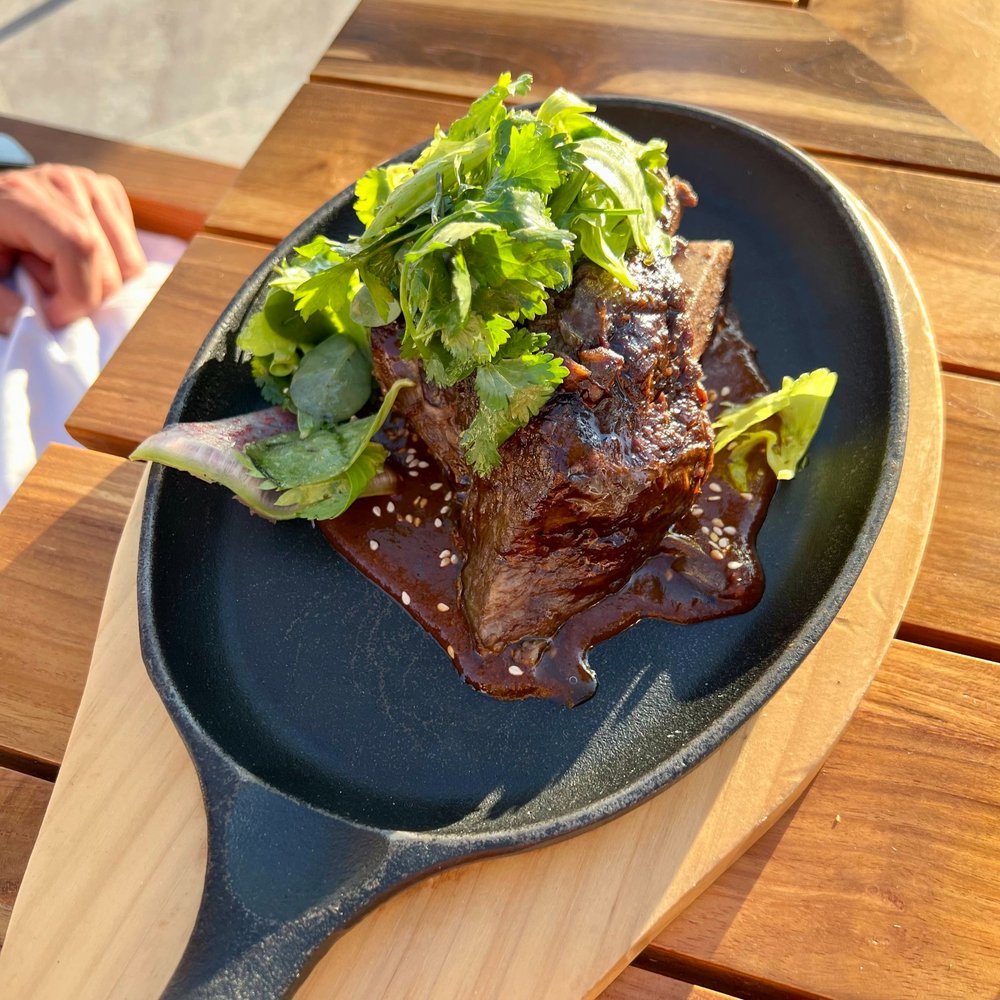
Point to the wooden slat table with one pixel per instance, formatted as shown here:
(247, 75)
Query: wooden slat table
(883, 880)
(937, 48)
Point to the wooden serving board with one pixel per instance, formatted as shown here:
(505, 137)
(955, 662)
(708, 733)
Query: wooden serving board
(113, 885)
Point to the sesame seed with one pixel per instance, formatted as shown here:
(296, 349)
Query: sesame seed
(714, 536)
(454, 559)
(713, 499)
(373, 545)
(443, 607)
(716, 554)
(715, 487)
(725, 391)
(411, 451)
(417, 522)
(390, 506)
(421, 465)
(445, 509)
(444, 554)
(729, 530)
(697, 511)
(444, 564)
(423, 503)
(438, 522)
(409, 518)
(735, 564)
(723, 543)
(436, 486)
(413, 473)
(515, 670)
(451, 652)
(405, 598)
(704, 530)
(377, 511)
(747, 496)
(447, 495)
(416, 502)
(718, 522)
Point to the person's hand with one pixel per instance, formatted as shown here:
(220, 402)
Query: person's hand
(71, 230)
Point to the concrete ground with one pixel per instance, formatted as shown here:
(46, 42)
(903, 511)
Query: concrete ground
(202, 77)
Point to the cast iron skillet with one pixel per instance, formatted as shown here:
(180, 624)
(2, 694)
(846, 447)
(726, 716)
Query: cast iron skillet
(340, 755)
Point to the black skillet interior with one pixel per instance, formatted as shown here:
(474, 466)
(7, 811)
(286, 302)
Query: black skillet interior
(301, 672)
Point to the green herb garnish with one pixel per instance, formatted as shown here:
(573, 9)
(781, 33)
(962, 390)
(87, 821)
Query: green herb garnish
(472, 239)
(798, 406)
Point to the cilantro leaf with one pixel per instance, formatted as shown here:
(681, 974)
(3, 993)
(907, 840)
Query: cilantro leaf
(511, 391)
(530, 158)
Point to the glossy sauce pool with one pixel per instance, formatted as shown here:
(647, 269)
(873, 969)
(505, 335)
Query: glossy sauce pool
(410, 546)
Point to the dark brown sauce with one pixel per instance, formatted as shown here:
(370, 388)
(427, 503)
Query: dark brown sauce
(409, 544)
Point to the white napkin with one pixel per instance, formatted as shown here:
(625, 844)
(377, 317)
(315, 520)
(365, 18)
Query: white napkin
(44, 373)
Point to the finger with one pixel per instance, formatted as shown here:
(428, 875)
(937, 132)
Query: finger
(68, 182)
(38, 219)
(41, 272)
(8, 258)
(107, 197)
(10, 306)
(57, 307)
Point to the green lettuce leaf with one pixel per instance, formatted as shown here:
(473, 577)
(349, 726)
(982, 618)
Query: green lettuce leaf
(798, 407)
(267, 464)
(372, 190)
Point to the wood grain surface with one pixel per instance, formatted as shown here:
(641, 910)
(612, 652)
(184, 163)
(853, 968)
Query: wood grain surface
(956, 602)
(947, 52)
(169, 193)
(57, 540)
(22, 805)
(882, 882)
(325, 140)
(130, 398)
(124, 838)
(947, 227)
(638, 984)
(777, 67)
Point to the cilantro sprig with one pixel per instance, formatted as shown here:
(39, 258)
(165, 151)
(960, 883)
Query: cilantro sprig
(470, 241)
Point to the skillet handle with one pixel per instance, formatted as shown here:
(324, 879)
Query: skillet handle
(281, 879)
